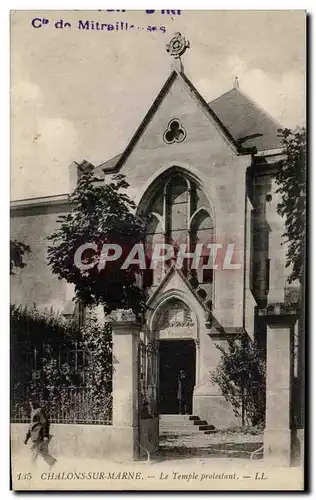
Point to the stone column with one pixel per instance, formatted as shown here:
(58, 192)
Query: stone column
(278, 433)
(197, 361)
(126, 336)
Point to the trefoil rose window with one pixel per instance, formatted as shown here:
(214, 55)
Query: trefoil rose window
(175, 132)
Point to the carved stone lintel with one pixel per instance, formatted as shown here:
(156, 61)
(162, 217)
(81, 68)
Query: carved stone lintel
(279, 309)
(122, 315)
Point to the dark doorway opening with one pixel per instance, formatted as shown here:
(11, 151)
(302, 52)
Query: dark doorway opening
(175, 355)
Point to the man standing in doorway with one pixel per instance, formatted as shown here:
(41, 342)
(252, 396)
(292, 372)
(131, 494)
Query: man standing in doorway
(183, 393)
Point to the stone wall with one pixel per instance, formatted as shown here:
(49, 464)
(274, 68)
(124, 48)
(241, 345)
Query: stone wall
(277, 249)
(36, 283)
(148, 437)
(75, 440)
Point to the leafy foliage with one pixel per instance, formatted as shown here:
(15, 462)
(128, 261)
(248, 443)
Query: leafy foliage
(100, 214)
(17, 251)
(67, 368)
(35, 327)
(291, 181)
(97, 340)
(241, 378)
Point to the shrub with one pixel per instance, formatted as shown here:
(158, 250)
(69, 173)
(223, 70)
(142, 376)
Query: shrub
(67, 367)
(241, 378)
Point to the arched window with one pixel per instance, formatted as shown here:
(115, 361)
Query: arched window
(178, 212)
(202, 232)
(177, 201)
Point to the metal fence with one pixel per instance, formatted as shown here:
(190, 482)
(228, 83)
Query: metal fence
(70, 399)
(76, 406)
(148, 355)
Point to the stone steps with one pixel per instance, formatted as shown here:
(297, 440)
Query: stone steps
(175, 416)
(188, 423)
(184, 424)
(203, 425)
(179, 430)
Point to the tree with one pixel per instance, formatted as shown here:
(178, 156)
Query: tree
(240, 375)
(100, 214)
(17, 251)
(291, 181)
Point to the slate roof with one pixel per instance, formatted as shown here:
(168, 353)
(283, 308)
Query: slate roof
(244, 119)
(244, 122)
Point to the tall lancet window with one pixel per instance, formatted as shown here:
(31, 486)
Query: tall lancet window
(178, 212)
(177, 201)
(202, 232)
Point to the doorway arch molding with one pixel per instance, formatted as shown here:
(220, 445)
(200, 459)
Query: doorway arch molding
(158, 305)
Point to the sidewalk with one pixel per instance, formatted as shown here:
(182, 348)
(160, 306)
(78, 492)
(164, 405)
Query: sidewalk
(164, 460)
(161, 473)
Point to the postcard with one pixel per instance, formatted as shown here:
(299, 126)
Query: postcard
(157, 250)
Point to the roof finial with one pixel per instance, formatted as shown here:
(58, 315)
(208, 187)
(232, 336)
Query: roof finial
(176, 48)
(236, 83)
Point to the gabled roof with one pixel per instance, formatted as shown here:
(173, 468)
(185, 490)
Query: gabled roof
(247, 123)
(242, 121)
(167, 277)
(115, 163)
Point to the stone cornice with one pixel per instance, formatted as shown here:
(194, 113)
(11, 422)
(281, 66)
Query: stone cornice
(123, 327)
(39, 201)
(221, 332)
(49, 203)
(279, 308)
(280, 313)
(270, 152)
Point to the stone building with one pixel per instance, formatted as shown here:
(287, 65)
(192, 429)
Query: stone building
(203, 172)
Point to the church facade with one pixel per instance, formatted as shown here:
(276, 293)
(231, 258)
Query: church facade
(202, 173)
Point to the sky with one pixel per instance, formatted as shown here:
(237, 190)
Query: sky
(81, 94)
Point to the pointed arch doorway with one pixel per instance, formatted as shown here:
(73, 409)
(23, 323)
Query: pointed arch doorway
(175, 329)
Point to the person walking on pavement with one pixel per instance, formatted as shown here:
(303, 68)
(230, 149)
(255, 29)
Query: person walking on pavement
(38, 432)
